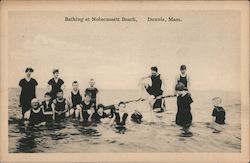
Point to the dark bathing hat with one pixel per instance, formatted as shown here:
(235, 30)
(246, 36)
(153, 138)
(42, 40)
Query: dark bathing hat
(183, 67)
(100, 106)
(29, 69)
(55, 71)
(154, 68)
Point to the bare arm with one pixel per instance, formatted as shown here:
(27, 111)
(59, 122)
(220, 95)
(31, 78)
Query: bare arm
(63, 86)
(66, 107)
(164, 86)
(49, 87)
(46, 113)
(145, 77)
(188, 82)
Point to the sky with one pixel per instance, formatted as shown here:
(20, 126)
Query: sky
(118, 54)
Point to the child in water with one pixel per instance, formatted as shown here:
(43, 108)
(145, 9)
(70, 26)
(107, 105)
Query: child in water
(47, 107)
(34, 116)
(218, 114)
(75, 99)
(183, 116)
(86, 109)
(120, 115)
(99, 115)
(55, 84)
(59, 106)
(183, 77)
(93, 91)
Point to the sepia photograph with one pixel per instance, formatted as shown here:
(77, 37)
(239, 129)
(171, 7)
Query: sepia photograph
(95, 80)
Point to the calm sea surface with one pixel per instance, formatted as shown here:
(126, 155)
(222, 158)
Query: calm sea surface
(157, 132)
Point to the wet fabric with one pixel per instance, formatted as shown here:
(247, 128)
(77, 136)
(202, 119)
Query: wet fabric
(219, 114)
(56, 86)
(28, 92)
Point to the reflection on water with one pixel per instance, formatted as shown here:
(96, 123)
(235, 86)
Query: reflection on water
(156, 133)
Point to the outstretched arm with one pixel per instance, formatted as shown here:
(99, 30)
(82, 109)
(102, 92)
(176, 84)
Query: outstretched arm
(145, 77)
(164, 86)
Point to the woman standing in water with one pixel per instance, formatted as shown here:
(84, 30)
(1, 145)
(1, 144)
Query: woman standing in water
(55, 84)
(155, 89)
(28, 90)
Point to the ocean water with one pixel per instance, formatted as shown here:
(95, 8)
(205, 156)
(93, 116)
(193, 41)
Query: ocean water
(157, 132)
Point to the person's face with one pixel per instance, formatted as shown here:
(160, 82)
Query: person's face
(179, 92)
(92, 83)
(75, 86)
(56, 75)
(60, 95)
(122, 106)
(100, 111)
(153, 73)
(87, 98)
(47, 98)
(183, 71)
(28, 74)
(216, 102)
(35, 105)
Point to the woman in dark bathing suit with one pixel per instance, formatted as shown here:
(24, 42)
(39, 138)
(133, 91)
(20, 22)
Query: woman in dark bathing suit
(28, 90)
(155, 89)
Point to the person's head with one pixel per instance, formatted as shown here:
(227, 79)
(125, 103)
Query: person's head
(154, 71)
(75, 85)
(92, 82)
(55, 73)
(183, 69)
(60, 94)
(180, 88)
(100, 109)
(216, 101)
(136, 116)
(29, 71)
(121, 105)
(87, 97)
(47, 96)
(34, 103)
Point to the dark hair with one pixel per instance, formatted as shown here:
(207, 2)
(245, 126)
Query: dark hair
(60, 90)
(74, 82)
(47, 94)
(29, 69)
(100, 106)
(154, 69)
(87, 94)
(55, 71)
(121, 103)
(183, 67)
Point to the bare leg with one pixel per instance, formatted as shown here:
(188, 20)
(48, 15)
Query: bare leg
(80, 111)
